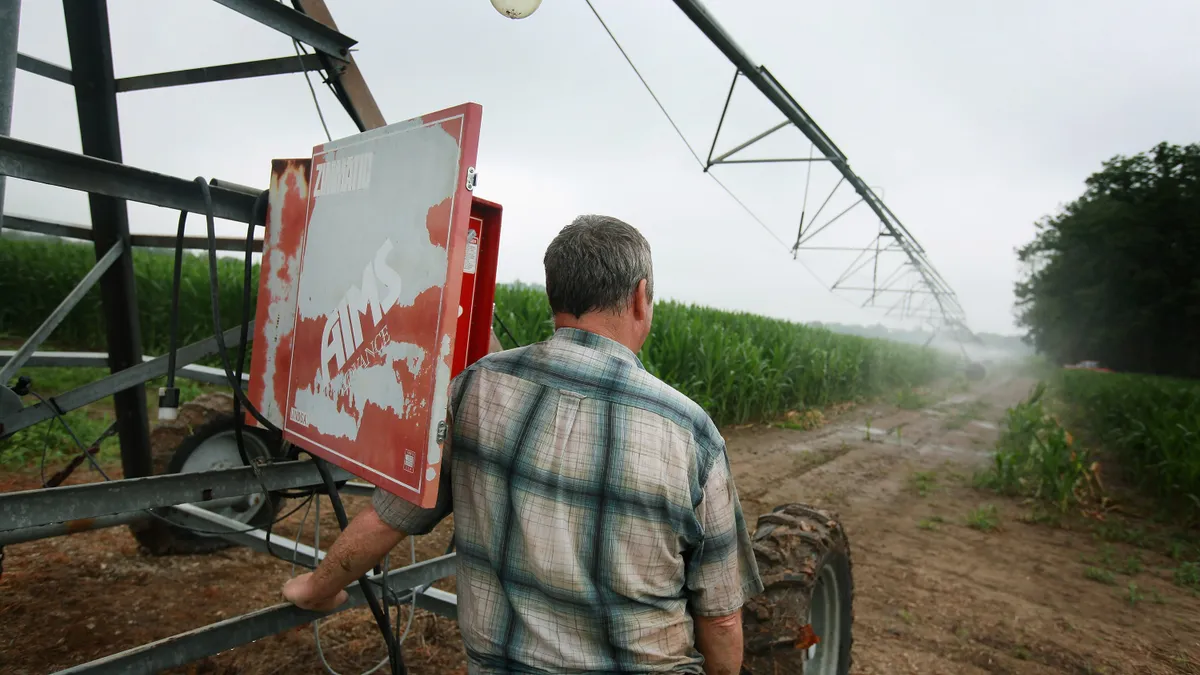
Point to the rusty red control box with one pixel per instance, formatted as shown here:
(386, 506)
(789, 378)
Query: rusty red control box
(376, 288)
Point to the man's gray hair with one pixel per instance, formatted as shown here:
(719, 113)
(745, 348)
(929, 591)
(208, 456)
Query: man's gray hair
(595, 264)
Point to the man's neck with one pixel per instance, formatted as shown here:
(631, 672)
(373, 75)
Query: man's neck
(604, 324)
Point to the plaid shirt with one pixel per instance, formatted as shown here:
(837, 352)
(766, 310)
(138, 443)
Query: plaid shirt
(594, 509)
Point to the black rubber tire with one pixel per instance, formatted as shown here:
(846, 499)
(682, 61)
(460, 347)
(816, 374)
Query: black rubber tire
(794, 545)
(171, 443)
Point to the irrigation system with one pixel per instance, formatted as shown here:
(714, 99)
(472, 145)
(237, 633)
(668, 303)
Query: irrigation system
(194, 500)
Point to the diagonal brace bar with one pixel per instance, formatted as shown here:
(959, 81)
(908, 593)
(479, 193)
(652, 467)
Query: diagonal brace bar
(51, 71)
(56, 317)
(233, 71)
(119, 381)
(750, 142)
(296, 25)
(832, 220)
(196, 517)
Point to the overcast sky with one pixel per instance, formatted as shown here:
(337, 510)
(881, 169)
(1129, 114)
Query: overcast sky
(972, 120)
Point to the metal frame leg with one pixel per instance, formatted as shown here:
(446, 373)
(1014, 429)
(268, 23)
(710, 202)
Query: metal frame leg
(10, 27)
(99, 131)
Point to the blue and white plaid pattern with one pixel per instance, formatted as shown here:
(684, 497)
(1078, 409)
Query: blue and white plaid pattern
(594, 511)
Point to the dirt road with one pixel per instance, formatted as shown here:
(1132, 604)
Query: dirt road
(933, 594)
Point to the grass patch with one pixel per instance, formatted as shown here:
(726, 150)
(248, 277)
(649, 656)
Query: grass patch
(931, 523)
(965, 414)
(1039, 515)
(1187, 575)
(802, 420)
(1099, 575)
(985, 518)
(923, 482)
(912, 398)
(1134, 595)
(26, 447)
(1121, 532)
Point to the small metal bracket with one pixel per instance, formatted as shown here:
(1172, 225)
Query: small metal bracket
(471, 177)
(441, 432)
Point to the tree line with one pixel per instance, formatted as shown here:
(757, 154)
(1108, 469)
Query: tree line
(1114, 276)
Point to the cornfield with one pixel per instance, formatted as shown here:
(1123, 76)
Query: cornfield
(740, 367)
(1151, 424)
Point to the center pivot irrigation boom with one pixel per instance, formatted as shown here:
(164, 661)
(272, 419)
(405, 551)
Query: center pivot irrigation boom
(948, 308)
(355, 340)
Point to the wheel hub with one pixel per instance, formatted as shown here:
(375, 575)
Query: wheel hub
(220, 451)
(825, 617)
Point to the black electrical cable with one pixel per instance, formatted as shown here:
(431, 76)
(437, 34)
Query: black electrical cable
(177, 274)
(222, 348)
(506, 330)
(381, 619)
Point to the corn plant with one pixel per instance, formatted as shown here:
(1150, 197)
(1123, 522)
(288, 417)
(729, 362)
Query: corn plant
(1151, 424)
(1036, 456)
(740, 367)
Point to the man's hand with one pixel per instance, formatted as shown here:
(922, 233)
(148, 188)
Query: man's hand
(301, 592)
(364, 542)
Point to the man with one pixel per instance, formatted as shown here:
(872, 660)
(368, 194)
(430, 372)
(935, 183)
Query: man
(597, 525)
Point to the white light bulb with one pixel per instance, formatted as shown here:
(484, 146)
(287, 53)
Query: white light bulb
(516, 9)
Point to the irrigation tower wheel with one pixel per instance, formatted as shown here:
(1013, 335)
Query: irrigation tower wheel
(203, 438)
(803, 557)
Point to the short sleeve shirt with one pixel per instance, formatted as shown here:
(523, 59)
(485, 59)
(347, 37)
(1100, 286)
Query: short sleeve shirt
(595, 513)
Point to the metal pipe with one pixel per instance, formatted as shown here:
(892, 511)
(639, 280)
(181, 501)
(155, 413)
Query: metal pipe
(192, 372)
(10, 28)
(56, 317)
(42, 164)
(21, 535)
(25, 534)
(33, 508)
(200, 518)
(770, 160)
(236, 187)
(69, 231)
(214, 638)
(357, 489)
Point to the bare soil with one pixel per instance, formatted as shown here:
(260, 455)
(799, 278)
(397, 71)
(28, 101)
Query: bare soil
(932, 593)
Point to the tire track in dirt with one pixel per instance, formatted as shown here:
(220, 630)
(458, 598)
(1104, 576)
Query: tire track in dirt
(935, 596)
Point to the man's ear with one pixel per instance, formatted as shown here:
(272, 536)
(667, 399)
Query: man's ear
(641, 301)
